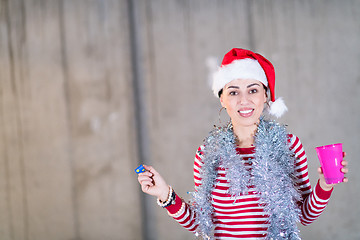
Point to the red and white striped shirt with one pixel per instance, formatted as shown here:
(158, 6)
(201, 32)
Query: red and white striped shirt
(244, 218)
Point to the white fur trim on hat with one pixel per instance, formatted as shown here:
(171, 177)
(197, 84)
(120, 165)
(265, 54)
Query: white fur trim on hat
(277, 108)
(244, 68)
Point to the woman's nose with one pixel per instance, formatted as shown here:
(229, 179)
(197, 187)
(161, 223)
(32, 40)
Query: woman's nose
(243, 98)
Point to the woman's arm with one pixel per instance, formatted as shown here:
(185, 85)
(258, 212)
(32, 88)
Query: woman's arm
(152, 183)
(314, 202)
(183, 213)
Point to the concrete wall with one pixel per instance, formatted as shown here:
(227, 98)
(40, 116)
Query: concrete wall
(88, 89)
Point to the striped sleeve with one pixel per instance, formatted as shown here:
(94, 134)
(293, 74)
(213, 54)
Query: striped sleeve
(181, 211)
(314, 202)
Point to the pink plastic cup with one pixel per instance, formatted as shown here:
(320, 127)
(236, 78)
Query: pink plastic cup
(330, 157)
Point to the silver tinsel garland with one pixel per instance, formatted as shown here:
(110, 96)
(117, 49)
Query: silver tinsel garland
(272, 175)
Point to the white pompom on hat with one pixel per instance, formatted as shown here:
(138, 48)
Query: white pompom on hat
(244, 64)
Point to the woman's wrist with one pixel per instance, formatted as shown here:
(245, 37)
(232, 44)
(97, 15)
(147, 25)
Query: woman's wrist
(165, 195)
(324, 186)
(170, 199)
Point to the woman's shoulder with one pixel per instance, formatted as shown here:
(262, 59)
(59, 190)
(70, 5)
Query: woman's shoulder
(292, 137)
(200, 150)
(199, 155)
(294, 142)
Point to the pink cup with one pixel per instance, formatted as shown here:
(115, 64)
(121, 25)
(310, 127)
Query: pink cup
(330, 157)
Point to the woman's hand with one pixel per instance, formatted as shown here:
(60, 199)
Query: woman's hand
(328, 187)
(152, 183)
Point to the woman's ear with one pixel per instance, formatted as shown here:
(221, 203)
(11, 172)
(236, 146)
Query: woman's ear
(266, 93)
(222, 102)
(266, 96)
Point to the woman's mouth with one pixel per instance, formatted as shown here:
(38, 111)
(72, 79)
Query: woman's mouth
(246, 112)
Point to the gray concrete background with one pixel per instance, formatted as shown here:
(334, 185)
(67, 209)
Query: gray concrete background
(88, 89)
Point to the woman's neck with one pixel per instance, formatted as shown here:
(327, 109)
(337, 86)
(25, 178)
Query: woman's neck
(245, 136)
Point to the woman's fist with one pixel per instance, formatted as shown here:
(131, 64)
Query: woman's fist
(152, 183)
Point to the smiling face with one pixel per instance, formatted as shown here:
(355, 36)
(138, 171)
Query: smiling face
(244, 101)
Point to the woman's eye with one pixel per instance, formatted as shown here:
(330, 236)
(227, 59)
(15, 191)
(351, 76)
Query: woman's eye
(232, 93)
(253, 91)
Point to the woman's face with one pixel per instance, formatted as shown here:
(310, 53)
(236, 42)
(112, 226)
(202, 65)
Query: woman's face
(244, 101)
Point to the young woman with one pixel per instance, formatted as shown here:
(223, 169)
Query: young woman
(251, 176)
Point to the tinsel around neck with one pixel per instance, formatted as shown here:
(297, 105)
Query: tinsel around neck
(272, 175)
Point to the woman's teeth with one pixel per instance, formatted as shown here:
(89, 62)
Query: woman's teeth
(246, 111)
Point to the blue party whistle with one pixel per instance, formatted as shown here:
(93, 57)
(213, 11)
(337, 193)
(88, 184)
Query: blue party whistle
(140, 169)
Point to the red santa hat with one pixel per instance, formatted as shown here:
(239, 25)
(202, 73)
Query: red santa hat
(245, 64)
